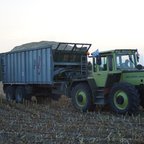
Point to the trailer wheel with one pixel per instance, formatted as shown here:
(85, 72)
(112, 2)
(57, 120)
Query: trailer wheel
(20, 94)
(124, 98)
(10, 90)
(81, 97)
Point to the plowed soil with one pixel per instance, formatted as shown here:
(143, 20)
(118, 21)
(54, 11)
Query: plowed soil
(59, 123)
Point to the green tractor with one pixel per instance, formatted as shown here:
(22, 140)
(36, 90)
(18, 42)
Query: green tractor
(114, 78)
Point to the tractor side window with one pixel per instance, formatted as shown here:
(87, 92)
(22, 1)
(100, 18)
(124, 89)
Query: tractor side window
(103, 66)
(118, 62)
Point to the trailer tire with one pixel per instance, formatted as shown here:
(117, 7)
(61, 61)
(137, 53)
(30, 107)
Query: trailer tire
(10, 90)
(81, 97)
(124, 98)
(20, 94)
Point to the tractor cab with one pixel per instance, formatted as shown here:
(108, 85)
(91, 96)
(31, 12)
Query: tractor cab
(109, 65)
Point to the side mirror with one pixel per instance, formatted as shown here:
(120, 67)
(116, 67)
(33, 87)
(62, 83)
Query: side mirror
(98, 60)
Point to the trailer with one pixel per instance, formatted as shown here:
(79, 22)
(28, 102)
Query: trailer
(44, 71)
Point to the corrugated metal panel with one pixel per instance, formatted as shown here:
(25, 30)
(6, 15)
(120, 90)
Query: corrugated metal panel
(28, 67)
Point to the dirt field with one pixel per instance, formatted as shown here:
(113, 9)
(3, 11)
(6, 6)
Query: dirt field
(59, 123)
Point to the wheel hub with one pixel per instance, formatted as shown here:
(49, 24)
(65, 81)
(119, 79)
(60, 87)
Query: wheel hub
(120, 100)
(80, 98)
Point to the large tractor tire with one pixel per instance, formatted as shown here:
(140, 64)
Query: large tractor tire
(142, 101)
(20, 94)
(124, 98)
(81, 97)
(141, 91)
(10, 91)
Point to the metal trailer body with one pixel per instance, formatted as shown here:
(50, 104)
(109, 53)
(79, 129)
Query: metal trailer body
(28, 67)
(44, 71)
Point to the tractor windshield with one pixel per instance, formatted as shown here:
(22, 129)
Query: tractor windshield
(125, 60)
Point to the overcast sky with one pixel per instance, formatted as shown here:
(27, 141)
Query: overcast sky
(107, 24)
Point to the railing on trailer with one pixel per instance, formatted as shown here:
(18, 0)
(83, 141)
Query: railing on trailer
(71, 57)
(70, 53)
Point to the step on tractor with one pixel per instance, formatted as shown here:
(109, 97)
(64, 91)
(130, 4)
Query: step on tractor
(112, 78)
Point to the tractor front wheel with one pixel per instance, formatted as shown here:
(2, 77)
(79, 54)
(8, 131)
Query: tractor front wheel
(124, 98)
(142, 102)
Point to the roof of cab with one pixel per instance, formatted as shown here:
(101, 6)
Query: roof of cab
(118, 50)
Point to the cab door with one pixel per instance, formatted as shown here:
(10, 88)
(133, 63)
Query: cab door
(100, 73)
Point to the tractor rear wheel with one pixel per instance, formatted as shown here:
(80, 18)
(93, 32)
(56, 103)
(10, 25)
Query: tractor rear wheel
(142, 102)
(81, 97)
(124, 98)
(141, 91)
